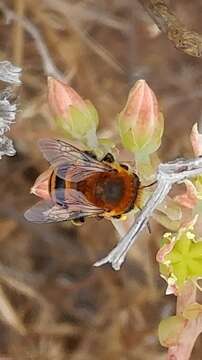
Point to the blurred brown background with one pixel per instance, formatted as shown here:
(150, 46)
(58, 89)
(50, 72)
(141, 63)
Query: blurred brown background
(53, 304)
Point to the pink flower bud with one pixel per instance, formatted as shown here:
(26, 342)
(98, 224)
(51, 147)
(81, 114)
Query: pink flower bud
(61, 97)
(140, 122)
(75, 117)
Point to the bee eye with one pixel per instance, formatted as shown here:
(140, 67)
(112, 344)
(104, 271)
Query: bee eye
(91, 154)
(108, 158)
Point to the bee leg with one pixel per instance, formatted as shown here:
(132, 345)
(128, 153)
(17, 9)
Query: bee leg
(146, 186)
(78, 221)
(99, 217)
(108, 158)
(149, 227)
(124, 166)
(91, 154)
(117, 217)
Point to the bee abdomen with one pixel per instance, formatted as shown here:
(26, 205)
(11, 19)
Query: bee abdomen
(57, 187)
(59, 190)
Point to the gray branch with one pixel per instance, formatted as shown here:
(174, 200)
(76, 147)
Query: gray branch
(9, 73)
(7, 118)
(7, 114)
(6, 146)
(167, 175)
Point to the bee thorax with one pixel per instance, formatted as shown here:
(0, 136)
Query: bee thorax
(110, 191)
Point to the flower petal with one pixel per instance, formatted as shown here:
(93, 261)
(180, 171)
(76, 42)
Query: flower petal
(61, 96)
(165, 249)
(189, 198)
(41, 185)
(196, 140)
(170, 330)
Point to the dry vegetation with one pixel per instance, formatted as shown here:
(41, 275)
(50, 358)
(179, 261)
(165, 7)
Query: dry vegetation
(53, 304)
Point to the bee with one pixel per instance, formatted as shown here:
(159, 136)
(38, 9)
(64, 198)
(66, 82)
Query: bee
(77, 185)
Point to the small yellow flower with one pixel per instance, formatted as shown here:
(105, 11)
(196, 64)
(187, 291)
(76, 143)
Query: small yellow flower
(180, 257)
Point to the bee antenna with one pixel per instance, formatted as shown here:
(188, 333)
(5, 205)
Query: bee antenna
(146, 186)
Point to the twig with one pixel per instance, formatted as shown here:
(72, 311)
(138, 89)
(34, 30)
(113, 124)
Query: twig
(167, 175)
(48, 65)
(9, 315)
(18, 33)
(190, 42)
(85, 13)
(62, 8)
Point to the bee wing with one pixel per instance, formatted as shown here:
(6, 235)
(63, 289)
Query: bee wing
(41, 212)
(74, 164)
(74, 173)
(74, 207)
(75, 201)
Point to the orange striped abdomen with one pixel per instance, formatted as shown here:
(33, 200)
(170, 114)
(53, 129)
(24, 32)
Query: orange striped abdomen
(115, 192)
